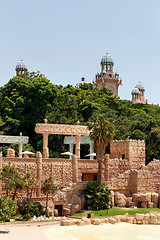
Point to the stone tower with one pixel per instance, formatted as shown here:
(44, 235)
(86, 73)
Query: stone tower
(107, 78)
(21, 67)
(138, 94)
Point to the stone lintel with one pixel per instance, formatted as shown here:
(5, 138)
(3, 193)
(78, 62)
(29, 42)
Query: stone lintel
(62, 129)
(14, 139)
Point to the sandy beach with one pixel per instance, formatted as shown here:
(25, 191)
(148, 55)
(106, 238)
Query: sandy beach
(120, 231)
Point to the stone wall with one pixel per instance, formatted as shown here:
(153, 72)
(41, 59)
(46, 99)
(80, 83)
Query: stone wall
(141, 181)
(124, 171)
(124, 155)
(131, 150)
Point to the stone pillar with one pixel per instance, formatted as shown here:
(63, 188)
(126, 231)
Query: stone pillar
(70, 149)
(91, 150)
(0, 172)
(75, 168)
(106, 159)
(20, 150)
(78, 145)
(39, 172)
(45, 145)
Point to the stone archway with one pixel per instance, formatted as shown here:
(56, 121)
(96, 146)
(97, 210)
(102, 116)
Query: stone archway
(61, 129)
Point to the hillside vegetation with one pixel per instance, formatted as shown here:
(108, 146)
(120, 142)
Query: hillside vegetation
(28, 99)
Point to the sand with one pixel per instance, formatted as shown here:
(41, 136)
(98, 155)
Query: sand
(101, 232)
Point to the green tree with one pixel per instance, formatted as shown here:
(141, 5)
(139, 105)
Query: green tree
(48, 187)
(153, 144)
(12, 179)
(30, 183)
(96, 195)
(8, 208)
(102, 132)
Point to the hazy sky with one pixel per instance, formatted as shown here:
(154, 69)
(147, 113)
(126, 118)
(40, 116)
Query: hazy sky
(66, 40)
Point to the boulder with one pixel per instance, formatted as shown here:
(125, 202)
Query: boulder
(146, 219)
(51, 213)
(66, 212)
(81, 223)
(146, 197)
(155, 197)
(112, 220)
(106, 220)
(139, 218)
(130, 220)
(96, 221)
(150, 204)
(124, 218)
(86, 221)
(75, 208)
(128, 201)
(158, 218)
(68, 222)
(118, 218)
(56, 212)
(119, 199)
(153, 219)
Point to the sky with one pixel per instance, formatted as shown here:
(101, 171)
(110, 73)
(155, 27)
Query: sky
(66, 39)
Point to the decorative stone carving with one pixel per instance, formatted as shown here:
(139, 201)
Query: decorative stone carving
(10, 152)
(62, 129)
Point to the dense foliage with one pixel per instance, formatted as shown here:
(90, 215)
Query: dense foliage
(12, 180)
(30, 98)
(35, 209)
(8, 208)
(97, 196)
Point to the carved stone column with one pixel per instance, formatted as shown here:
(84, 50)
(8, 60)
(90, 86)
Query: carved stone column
(0, 172)
(75, 168)
(45, 145)
(20, 150)
(39, 172)
(78, 142)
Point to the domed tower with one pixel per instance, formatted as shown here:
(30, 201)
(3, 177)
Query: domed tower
(107, 78)
(138, 94)
(21, 67)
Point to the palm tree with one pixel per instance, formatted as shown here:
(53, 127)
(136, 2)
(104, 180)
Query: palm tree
(30, 182)
(102, 132)
(48, 187)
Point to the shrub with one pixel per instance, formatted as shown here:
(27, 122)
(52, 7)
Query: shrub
(8, 208)
(26, 216)
(35, 209)
(97, 195)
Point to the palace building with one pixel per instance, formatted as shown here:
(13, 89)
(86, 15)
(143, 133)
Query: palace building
(138, 94)
(107, 78)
